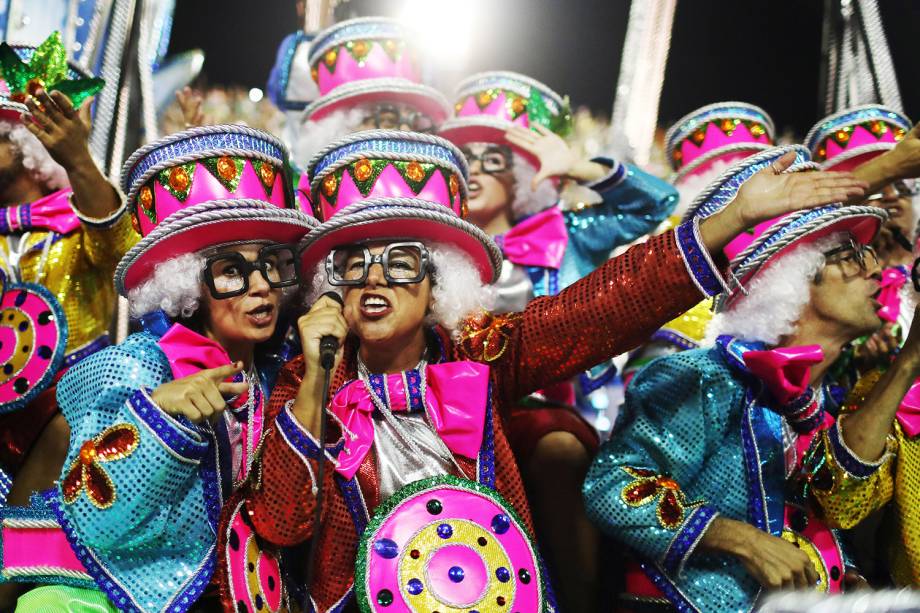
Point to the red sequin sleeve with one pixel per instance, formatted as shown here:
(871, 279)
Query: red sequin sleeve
(611, 311)
(282, 499)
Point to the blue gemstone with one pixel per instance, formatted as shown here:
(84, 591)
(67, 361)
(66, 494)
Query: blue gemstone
(415, 587)
(501, 523)
(503, 574)
(445, 531)
(386, 548)
(456, 574)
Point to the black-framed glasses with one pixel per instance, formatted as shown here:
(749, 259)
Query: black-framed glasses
(402, 263)
(904, 188)
(227, 274)
(853, 258)
(391, 117)
(494, 158)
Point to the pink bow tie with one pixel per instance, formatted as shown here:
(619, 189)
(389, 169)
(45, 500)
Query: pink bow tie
(539, 240)
(784, 370)
(456, 394)
(908, 414)
(893, 279)
(52, 212)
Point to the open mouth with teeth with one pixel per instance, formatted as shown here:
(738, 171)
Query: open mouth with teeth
(373, 305)
(262, 314)
(473, 188)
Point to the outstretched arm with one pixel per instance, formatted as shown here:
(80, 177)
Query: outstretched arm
(900, 162)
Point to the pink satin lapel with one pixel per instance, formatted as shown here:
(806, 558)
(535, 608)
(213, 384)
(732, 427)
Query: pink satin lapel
(909, 412)
(188, 352)
(784, 370)
(893, 279)
(52, 212)
(539, 240)
(456, 396)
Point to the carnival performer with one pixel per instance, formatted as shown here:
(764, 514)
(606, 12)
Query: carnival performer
(165, 424)
(700, 146)
(862, 139)
(369, 76)
(416, 446)
(64, 230)
(697, 475)
(510, 128)
(870, 458)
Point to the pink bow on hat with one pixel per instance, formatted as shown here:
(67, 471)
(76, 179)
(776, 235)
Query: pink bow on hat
(539, 240)
(784, 370)
(52, 212)
(893, 279)
(455, 397)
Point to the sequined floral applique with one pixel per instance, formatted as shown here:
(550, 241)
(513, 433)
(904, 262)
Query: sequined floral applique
(649, 486)
(111, 444)
(485, 337)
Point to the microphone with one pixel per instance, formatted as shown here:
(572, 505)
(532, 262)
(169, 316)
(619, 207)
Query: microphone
(329, 345)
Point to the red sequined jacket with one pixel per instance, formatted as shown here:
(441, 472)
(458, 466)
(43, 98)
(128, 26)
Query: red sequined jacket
(611, 311)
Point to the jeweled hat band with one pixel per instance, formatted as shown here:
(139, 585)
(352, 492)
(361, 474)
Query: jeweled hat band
(513, 98)
(723, 126)
(203, 164)
(388, 164)
(357, 49)
(846, 138)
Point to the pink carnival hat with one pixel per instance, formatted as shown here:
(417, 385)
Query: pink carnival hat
(724, 131)
(369, 60)
(754, 250)
(206, 171)
(389, 184)
(845, 140)
(489, 103)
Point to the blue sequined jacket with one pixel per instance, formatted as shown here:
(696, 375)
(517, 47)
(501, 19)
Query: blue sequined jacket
(143, 517)
(695, 439)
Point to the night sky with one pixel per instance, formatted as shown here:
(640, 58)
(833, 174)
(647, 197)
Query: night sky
(767, 53)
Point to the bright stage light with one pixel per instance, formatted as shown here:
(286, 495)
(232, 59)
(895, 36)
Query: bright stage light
(443, 29)
(255, 94)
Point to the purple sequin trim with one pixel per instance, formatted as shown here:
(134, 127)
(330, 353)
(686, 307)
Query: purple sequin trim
(697, 259)
(847, 460)
(165, 429)
(686, 539)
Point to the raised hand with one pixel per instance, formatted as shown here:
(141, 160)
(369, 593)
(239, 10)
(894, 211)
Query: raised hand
(59, 127)
(771, 193)
(324, 318)
(556, 158)
(190, 102)
(202, 395)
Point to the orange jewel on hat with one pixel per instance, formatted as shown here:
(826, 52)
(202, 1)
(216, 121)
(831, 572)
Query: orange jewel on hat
(699, 136)
(267, 175)
(145, 197)
(678, 155)
(842, 136)
(728, 126)
(314, 74)
(226, 168)
(135, 224)
(757, 129)
(454, 185)
(415, 172)
(329, 184)
(360, 48)
(330, 57)
(518, 106)
(178, 179)
(484, 99)
(899, 133)
(363, 170)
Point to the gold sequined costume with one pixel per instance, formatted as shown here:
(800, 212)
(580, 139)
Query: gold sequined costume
(849, 489)
(77, 267)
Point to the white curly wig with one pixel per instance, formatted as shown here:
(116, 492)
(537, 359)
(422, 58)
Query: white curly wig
(528, 201)
(35, 158)
(174, 286)
(457, 290)
(777, 296)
